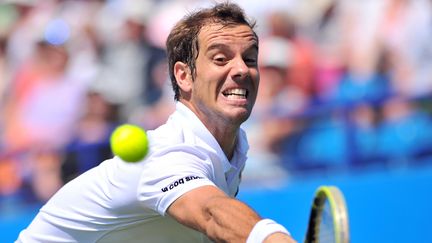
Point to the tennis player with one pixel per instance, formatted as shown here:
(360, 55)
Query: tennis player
(184, 190)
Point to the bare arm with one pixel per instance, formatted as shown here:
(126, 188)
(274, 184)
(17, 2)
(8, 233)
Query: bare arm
(223, 219)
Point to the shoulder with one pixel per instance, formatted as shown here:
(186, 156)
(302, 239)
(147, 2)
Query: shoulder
(177, 139)
(176, 150)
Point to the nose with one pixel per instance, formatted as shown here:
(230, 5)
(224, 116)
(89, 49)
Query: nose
(240, 70)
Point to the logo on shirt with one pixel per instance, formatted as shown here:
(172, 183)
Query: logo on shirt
(179, 182)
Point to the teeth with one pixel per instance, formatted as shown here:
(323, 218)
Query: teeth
(239, 92)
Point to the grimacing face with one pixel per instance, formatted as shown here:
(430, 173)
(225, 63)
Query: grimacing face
(227, 77)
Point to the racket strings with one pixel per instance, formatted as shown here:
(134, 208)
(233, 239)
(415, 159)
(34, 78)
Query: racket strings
(326, 232)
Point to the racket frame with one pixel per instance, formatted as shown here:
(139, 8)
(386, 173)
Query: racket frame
(338, 210)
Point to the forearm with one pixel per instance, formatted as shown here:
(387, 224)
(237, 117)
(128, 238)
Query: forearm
(224, 219)
(228, 220)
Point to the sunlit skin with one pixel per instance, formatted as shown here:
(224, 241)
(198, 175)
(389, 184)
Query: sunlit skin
(225, 88)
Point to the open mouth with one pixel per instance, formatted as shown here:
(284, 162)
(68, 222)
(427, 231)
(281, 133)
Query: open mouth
(236, 93)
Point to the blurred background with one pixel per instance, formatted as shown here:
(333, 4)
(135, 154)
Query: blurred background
(345, 99)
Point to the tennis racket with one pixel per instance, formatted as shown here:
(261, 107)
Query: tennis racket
(328, 221)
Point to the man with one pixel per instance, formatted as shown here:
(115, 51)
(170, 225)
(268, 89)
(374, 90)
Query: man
(183, 191)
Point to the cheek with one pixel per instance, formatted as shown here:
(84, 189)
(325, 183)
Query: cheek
(212, 80)
(204, 88)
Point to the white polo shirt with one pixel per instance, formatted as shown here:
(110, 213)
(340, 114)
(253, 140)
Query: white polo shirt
(126, 202)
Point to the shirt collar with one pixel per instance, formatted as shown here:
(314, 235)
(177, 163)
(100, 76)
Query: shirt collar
(194, 123)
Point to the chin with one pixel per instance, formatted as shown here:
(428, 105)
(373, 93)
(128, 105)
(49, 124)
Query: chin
(239, 116)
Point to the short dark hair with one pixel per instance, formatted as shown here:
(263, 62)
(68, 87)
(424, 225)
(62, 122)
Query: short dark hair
(182, 43)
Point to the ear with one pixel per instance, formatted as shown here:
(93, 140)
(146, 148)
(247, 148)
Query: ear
(183, 76)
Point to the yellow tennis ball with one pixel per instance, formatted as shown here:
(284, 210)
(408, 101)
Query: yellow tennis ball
(129, 142)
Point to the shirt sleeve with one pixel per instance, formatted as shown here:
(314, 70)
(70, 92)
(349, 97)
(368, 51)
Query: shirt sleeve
(170, 173)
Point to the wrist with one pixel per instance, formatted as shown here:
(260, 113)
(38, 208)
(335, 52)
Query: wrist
(263, 229)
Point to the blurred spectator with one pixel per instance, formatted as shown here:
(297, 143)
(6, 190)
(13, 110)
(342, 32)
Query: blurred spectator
(404, 132)
(3, 74)
(357, 86)
(44, 179)
(10, 179)
(325, 32)
(129, 72)
(44, 102)
(322, 145)
(362, 137)
(405, 30)
(301, 65)
(40, 112)
(31, 19)
(278, 94)
(90, 144)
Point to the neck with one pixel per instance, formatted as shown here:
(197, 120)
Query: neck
(224, 131)
(227, 140)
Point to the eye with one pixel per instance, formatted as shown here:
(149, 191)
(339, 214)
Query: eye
(220, 59)
(250, 61)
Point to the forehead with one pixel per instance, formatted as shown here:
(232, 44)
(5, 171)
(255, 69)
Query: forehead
(216, 34)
